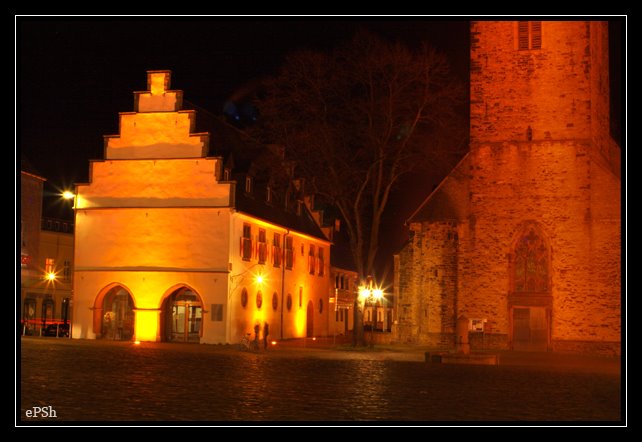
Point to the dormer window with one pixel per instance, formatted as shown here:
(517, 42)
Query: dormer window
(268, 194)
(226, 174)
(299, 207)
(248, 184)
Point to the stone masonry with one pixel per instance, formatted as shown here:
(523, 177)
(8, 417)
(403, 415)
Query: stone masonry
(541, 161)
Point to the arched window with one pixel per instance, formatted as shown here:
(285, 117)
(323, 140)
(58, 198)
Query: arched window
(531, 263)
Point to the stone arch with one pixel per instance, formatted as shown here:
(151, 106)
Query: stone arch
(181, 314)
(529, 299)
(100, 320)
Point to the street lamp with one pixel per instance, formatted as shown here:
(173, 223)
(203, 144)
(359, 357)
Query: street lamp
(368, 293)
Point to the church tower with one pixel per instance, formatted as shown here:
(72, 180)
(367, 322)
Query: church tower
(522, 238)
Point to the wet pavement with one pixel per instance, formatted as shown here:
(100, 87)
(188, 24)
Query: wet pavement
(305, 381)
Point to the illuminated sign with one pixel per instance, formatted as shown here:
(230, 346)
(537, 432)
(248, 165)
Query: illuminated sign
(477, 325)
(25, 260)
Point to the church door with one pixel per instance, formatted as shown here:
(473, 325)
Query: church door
(530, 329)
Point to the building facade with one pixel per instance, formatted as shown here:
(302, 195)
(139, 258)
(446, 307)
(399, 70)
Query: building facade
(171, 245)
(46, 261)
(522, 239)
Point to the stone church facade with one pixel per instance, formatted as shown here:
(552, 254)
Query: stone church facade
(522, 239)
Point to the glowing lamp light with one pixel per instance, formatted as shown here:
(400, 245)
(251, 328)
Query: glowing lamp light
(146, 325)
(50, 276)
(273, 342)
(68, 195)
(363, 292)
(314, 338)
(259, 279)
(377, 293)
(136, 342)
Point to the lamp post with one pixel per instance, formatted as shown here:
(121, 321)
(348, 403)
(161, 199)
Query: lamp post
(368, 293)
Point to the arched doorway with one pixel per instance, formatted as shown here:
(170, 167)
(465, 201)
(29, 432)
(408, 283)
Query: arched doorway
(182, 316)
(117, 319)
(310, 320)
(530, 300)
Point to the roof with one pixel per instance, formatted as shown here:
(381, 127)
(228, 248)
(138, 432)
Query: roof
(27, 167)
(449, 200)
(247, 157)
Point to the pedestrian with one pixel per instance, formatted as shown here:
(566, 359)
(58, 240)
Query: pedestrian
(266, 332)
(257, 328)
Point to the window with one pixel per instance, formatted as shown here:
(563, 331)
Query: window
(217, 312)
(248, 184)
(259, 299)
(226, 174)
(276, 249)
(289, 252)
(268, 194)
(336, 282)
(311, 260)
(321, 261)
(531, 264)
(289, 302)
(275, 301)
(529, 35)
(50, 265)
(262, 247)
(66, 272)
(246, 242)
(299, 207)
(341, 315)
(336, 316)
(244, 298)
(300, 297)
(320, 306)
(64, 311)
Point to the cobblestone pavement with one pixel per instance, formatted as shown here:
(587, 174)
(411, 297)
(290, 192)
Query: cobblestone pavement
(295, 382)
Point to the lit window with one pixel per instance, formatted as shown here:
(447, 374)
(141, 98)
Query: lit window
(289, 252)
(50, 265)
(246, 242)
(311, 260)
(321, 261)
(276, 249)
(529, 35)
(66, 273)
(262, 246)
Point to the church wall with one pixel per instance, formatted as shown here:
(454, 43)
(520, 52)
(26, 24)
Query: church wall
(548, 89)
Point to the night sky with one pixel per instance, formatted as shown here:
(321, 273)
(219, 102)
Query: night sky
(75, 75)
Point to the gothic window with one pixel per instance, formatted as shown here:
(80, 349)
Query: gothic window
(531, 264)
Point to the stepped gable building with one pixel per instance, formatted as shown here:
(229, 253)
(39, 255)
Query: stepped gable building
(523, 238)
(177, 240)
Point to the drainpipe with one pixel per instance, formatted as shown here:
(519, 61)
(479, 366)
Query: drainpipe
(283, 255)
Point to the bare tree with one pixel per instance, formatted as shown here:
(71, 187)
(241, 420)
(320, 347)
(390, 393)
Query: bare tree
(358, 118)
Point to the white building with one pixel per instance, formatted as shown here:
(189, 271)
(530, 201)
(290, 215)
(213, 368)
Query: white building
(170, 247)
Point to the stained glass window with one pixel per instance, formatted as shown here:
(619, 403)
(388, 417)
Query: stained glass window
(531, 264)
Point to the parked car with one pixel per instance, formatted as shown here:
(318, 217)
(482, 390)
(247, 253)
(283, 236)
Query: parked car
(61, 328)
